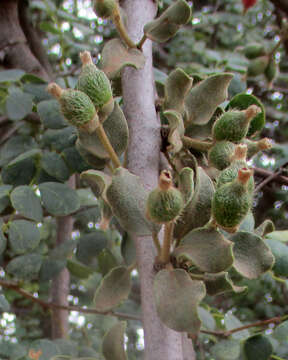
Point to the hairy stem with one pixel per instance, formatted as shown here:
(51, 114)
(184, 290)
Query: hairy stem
(107, 145)
(117, 20)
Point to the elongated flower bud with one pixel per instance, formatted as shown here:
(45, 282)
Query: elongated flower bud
(232, 201)
(76, 107)
(233, 125)
(255, 146)
(165, 203)
(220, 154)
(95, 84)
(231, 172)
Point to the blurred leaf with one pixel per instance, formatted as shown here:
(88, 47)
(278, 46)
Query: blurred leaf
(58, 199)
(280, 235)
(11, 75)
(50, 115)
(226, 350)
(23, 236)
(4, 196)
(79, 270)
(113, 290)
(48, 349)
(207, 320)
(50, 28)
(3, 239)
(21, 170)
(113, 347)
(4, 304)
(53, 164)
(12, 351)
(258, 347)
(232, 322)
(25, 267)
(51, 268)
(90, 246)
(18, 104)
(25, 201)
(15, 146)
(280, 252)
(281, 332)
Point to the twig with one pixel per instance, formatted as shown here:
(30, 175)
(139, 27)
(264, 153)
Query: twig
(117, 20)
(50, 305)
(277, 319)
(10, 132)
(265, 173)
(141, 42)
(267, 180)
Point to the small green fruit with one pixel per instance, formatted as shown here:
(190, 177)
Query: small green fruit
(233, 125)
(220, 154)
(76, 107)
(165, 203)
(104, 8)
(257, 66)
(95, 84)
(255, 146)
(230, 173)
(254, 50)
(232, 201)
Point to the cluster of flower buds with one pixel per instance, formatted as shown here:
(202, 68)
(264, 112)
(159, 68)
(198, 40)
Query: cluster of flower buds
(91, 99)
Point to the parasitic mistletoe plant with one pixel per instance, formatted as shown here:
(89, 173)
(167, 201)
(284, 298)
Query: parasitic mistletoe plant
(199, 216)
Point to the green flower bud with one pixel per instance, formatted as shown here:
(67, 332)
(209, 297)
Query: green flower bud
(255, 146)
(254, 50)
(232, 201)
(76, 107)
(220, 154)
(257, 66)
(104, 8)
(230, 173)
(95, 84)
(233, 125)
(165, 203)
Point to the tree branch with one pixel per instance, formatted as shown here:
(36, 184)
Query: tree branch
(50, 305)
(32, 36)
(280, 179)
(13, 42)
(277, 319)
(60, 287)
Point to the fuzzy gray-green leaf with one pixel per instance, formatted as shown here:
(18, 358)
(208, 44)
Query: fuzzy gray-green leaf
(113, 290)
(203, 99)
(207, 249)
(252, 256)
(177, 297)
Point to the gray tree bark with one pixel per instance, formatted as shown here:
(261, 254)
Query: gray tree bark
(161, 343)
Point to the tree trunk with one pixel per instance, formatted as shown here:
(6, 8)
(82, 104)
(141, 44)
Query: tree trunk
(60, 287)
(161, 343)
